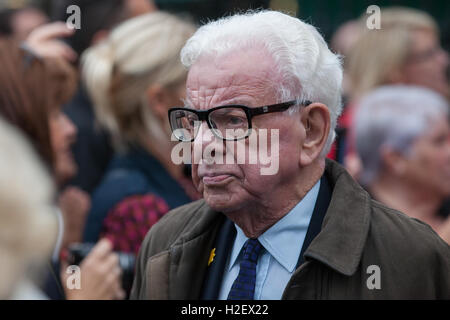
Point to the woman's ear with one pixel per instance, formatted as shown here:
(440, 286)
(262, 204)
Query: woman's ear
(394, 162)
(158, 99)
(316, 122)
(162, 98)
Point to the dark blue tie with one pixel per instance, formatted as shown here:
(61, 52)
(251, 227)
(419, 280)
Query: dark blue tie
(243, 287)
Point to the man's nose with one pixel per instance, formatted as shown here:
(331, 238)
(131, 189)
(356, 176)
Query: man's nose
(202, 138)
(205, 138)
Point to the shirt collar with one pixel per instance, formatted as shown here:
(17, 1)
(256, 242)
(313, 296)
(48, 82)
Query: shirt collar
(277, 240)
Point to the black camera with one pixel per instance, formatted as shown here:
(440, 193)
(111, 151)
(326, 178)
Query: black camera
(78, 251)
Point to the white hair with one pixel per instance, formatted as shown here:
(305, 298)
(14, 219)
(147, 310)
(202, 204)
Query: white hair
(309, 70)
(394, 117)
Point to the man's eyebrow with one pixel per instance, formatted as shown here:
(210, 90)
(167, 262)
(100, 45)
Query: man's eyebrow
(233, 101)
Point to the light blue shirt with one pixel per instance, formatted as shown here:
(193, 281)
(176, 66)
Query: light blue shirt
(282, 243)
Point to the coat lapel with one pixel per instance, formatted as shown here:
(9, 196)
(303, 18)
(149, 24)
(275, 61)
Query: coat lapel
(180, 270)
(218, 260)
(341, 241)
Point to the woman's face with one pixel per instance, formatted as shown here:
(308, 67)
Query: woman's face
(163, 98)
(427, 63)
(62, 135)
(428, 165)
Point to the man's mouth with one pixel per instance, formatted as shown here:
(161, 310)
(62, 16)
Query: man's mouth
(215, 179)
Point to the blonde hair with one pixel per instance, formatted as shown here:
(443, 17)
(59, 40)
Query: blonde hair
(118, 71)
(28, 223)
(379, 53)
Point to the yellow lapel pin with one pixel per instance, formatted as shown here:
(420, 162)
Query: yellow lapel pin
(211, 256)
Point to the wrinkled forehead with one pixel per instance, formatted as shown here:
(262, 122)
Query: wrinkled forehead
(247, 77)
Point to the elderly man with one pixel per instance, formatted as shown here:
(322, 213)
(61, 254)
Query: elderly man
(305, 231)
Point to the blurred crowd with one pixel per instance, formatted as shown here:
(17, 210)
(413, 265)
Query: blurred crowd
(85, 141)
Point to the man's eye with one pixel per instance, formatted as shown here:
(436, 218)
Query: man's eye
(235, 120)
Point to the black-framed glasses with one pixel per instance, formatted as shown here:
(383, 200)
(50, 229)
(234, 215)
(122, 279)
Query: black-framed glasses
(233, 122)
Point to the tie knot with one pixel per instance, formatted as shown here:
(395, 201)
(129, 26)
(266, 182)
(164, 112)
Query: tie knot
(252, 248)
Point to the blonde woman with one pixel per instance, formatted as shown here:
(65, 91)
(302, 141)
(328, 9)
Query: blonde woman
(28, 223)
(133, 78)
(32, 90)
(405, 50)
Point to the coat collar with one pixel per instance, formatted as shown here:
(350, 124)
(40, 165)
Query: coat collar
(190, 253)
(341, 241)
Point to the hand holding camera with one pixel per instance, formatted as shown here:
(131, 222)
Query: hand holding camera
(101, 275)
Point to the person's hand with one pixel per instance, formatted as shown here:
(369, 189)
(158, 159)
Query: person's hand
(100, 275)
(45, 42)
(75, 205)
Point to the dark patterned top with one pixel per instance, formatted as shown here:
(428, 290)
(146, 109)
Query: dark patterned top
(129, 221)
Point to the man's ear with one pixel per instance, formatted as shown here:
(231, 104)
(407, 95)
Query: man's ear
(316, 122)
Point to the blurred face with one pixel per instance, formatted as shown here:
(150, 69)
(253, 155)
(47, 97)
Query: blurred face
(138, 7)
(62, 135)
(429, 163)
(176, 96)
(161, 99)
(232, 80)
(427, 63)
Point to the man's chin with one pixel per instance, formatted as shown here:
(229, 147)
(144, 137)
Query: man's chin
(222, 202)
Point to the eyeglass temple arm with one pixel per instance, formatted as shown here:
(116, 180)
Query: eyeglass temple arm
(277, 107)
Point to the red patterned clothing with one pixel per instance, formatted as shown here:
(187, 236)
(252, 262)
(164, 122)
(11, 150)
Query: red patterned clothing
(134, 193)
(129, 221)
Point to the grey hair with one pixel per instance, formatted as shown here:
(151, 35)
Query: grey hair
(393, 117)
(309, 70)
